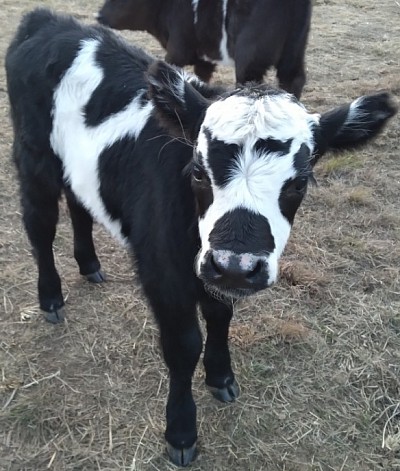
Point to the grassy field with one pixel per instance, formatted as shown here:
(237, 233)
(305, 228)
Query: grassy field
(317, 357)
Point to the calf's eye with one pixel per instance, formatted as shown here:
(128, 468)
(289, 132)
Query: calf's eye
(300, 183)
(198, 174)
(297, 185)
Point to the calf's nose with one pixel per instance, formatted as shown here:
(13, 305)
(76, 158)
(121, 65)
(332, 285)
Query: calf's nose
(236, 270)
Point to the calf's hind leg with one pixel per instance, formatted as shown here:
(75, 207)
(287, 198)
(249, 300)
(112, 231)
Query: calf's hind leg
(84, 251)
(292, 78)
(40, 191)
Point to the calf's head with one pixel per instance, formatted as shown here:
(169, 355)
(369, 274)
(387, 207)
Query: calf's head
(254, 149)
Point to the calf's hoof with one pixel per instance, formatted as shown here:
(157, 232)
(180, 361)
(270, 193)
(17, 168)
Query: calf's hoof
(55, 315)
(181, 456)
(96, 277)
(229, 393)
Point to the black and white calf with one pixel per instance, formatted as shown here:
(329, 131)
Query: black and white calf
(207, 215)
(251, 35)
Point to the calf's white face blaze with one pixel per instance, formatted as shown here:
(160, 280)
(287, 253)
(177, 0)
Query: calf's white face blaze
(249, 146)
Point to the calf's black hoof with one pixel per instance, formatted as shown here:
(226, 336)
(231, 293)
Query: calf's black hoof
(181, 456)
(55, 316)
(229, 393)
(96, 277)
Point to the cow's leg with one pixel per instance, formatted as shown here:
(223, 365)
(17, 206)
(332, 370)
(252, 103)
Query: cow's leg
(217, 361)
(40, 178)
(258, 49)
(292, 78)
(250, 64)
(84, 251)
(290, 67)
(248, 71)
(181, 344)
(204, 70)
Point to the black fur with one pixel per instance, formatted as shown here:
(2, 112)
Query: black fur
(227, 155)
(273, 145)
(116, 68)
(240, 226)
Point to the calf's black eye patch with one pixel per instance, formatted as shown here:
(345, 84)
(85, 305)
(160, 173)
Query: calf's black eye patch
(302, 160)
(273, 145)
(221, 158)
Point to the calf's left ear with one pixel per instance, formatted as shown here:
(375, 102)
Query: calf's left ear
(179, 106)
(353, 125)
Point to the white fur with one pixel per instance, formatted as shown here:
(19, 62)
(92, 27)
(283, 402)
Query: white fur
(226, 59)
(176, 83)
(354, 113)
(257, 177)
(247, 261)
(79, 146)
(195, 5)
(359, 117)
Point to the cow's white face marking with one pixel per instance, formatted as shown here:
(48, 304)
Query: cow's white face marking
(245, 174)
(78, 145)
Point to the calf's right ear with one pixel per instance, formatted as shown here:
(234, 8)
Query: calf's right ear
(350, 126)
(179, 106)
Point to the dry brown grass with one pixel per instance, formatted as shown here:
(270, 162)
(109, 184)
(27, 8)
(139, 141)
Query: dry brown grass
(317, 356)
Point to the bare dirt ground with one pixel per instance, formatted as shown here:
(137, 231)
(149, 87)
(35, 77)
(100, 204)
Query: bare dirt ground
(317, 356)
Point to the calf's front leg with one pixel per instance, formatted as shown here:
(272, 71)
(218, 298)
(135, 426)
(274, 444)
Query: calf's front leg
(181, 344)
(220, 378)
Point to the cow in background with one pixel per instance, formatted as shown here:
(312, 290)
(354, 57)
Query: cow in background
(252, 35)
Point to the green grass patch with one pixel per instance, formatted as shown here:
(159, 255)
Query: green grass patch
(341, 163)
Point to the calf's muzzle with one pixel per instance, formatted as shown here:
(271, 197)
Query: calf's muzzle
(229, 270)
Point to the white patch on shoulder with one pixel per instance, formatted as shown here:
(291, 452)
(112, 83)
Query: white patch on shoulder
(257, 177)
(79, 146)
